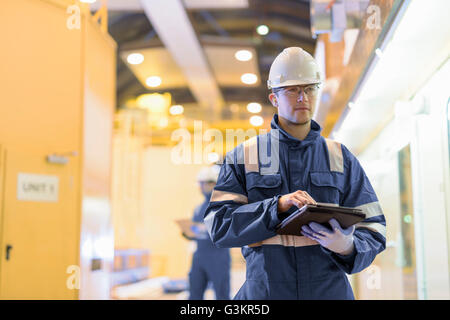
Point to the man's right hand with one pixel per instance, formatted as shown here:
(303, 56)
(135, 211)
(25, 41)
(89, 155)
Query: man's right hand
(298, 198)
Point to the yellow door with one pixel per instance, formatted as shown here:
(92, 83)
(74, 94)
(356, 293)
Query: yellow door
(40, 227)
(2, 174)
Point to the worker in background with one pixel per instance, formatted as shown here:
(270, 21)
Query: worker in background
(253, 195)
(209, 263)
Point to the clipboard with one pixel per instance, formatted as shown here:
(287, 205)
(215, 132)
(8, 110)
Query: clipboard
(187, 226)
(319, 213)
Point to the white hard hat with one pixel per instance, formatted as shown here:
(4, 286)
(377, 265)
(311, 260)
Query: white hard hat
(208, 174)
(293, 66)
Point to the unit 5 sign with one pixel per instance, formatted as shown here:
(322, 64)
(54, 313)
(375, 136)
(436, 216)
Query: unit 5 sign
(37, 187)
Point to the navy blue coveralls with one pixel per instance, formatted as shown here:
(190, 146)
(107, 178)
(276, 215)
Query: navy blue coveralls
(243, 213)
(209, 264)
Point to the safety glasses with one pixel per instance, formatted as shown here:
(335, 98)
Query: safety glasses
(294, 91)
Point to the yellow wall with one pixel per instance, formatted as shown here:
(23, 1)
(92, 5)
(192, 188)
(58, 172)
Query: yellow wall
(147, 199)
(169, 194)
(97, 237)
(50, 105)
(126, 187)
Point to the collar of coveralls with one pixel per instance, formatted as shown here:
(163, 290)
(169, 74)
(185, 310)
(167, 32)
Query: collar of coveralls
(295, 143)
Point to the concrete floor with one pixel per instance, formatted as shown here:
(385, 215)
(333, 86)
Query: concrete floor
(151, 289)
(237, 279)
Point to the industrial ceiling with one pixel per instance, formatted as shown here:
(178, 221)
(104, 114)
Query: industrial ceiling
(191, 46)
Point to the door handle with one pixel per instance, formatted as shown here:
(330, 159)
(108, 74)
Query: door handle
(8, 249)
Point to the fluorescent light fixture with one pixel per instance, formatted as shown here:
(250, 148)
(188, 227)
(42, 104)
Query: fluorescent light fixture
(256, 121)
(379, 53)
(243, 55)
(176, 109)
(153, 81)
(135, 58)
(249, 78)
(215, 4)
(254, 107)
(262, 29)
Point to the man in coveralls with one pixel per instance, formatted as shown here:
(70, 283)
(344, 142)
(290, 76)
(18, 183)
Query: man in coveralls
(209, 263)
(269, 176)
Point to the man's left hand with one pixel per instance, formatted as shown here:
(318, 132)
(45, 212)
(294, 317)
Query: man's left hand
(337, 240)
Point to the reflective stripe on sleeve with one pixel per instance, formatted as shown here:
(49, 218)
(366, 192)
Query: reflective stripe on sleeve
(208, 221)
(251, 162)
(286, 241)
(373, 226)
(218, 195)
(335, 155)
(372, 209)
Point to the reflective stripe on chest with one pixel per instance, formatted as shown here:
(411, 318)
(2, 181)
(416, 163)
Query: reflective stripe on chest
(286, 241)
(256, 152)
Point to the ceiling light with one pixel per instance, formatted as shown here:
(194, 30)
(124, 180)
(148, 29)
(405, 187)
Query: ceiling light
(243, 55)
(176, 110)
(254, 107)
(153, 81)
(262, 29)
(249, 78)
(256, 121)
(154, 102)
(88, 1)
(135, 58)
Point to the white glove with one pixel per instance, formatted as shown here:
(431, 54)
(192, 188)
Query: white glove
(337, 240)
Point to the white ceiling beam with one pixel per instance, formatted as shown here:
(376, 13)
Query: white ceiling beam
(135, 5)
(173, 27)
